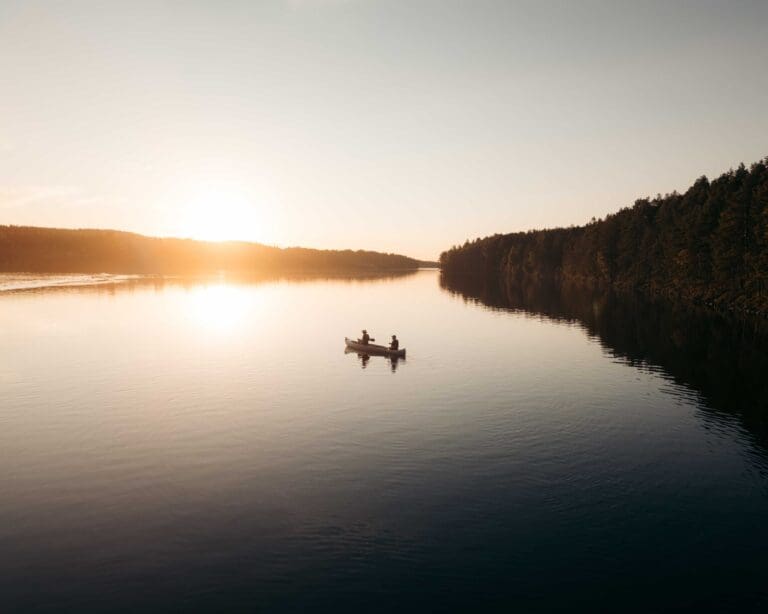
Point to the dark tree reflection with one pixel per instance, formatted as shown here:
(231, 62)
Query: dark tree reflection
(723, 358)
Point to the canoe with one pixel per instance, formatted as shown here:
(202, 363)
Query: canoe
(372, 348)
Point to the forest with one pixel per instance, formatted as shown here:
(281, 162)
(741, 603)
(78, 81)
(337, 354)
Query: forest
(708, 246)
(53, 250)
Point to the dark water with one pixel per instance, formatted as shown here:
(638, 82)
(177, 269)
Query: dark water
(201, 445)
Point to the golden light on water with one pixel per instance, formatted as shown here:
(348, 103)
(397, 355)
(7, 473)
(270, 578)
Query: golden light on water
(220, 308)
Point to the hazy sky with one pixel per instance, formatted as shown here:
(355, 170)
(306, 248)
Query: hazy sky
(396, 126)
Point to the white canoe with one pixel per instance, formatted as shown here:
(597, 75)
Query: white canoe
(372, 348)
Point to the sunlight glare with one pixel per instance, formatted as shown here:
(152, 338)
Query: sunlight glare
(222, 212)
(220, 308)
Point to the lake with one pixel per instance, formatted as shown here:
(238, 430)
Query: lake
(199, 444)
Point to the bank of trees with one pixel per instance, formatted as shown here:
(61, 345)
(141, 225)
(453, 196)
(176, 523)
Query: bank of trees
(709, 244)
(52, 250)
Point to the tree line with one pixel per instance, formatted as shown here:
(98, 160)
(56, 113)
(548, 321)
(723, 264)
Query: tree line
(707, 245)
(54, 250)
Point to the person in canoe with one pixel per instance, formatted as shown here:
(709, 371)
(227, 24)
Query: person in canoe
(366, 338)
(394, 344)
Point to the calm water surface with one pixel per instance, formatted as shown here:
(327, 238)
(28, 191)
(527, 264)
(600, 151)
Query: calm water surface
(191, 445)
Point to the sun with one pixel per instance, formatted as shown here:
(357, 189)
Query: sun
(222, 212)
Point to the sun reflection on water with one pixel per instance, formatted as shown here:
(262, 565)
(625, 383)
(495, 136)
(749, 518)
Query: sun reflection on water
(221, 308)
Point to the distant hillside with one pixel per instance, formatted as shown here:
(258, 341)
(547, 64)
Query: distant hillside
(707, 245)
(53, 250)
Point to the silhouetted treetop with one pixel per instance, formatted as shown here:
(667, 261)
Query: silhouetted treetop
(707, 245)
(32, 249)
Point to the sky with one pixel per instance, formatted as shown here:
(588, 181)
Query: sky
(399, 126)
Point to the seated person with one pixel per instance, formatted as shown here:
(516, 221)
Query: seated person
(366, 338)
(395, 344)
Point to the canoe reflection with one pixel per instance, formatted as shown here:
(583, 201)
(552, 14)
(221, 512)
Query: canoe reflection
(365, 358)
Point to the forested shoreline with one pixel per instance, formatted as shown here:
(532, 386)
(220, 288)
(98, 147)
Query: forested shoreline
(54, 250)
(708, 245)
